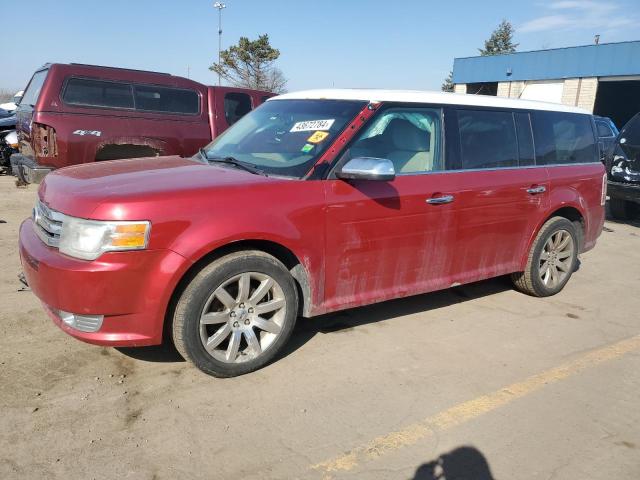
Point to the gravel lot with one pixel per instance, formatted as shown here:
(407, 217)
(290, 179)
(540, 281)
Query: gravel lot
(479, 379)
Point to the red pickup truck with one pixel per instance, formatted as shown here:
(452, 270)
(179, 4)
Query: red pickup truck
(75, 113)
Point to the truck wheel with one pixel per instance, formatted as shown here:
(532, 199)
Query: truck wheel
(621, 209)
(236, 314)
(552, 259)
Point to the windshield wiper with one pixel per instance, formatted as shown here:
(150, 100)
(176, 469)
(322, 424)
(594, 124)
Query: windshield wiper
(235, 162)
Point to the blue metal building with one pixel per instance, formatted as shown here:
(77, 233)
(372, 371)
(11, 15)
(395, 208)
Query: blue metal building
(604, 78)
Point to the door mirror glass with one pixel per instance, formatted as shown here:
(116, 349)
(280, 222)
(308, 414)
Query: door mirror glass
(367, 168)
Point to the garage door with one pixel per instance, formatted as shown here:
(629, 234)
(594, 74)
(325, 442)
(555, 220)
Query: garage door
(543, 91)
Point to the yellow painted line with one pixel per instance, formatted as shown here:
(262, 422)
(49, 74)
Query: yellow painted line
(471, 409)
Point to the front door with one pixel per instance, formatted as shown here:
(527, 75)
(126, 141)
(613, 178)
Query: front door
(384, 239)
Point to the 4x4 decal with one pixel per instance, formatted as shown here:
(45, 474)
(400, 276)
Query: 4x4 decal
(96, 133)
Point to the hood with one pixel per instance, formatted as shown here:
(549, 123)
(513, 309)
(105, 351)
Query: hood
(80, 189)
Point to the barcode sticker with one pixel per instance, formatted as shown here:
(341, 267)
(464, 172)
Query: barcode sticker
(310, 125)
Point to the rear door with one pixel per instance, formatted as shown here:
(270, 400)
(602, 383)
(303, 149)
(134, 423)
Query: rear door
(498, 192)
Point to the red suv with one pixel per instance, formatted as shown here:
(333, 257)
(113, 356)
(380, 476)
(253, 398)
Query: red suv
(74, 114)
(312, 203)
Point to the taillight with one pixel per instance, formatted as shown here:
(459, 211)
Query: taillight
(44, 140)
(603, 199)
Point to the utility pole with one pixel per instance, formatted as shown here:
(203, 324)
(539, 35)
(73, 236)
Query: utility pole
(219, 6)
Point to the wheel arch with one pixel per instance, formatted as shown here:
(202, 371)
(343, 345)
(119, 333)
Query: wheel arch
(129, 147)
(285, 255)
(571, 212)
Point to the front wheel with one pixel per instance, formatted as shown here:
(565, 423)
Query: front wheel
(236, 314)
(551, 261)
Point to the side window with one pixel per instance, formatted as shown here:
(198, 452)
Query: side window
(562, 138)
(96, 93)
(171, 100)
(409, 137)
(487, 139)
(236, 106)
(525, 139)
(30, 97)
(604, 130)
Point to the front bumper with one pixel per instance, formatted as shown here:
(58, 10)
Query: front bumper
(131, 289)
(27, 169)
(624, 191)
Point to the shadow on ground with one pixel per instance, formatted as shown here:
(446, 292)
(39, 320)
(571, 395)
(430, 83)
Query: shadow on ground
(350, 319)
(462, 463)
(634, 222)
(353, 318)
(165, 353)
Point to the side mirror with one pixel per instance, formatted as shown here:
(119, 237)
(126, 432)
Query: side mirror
(367, 168)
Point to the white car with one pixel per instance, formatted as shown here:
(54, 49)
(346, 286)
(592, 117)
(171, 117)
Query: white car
(13, 104)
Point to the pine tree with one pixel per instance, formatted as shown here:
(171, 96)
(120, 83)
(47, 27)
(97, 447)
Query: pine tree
(250, 64)
(501, 40)
(447, 85)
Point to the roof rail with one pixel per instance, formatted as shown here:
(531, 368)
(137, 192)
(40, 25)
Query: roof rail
(119, 68)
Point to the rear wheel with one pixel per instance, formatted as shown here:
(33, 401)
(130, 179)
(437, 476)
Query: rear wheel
(551, 261)
(236, 314)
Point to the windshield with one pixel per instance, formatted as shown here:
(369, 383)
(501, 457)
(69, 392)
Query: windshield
(285, 137)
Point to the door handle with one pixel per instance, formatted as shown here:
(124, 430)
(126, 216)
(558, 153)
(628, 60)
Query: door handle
(537, 190)
(440, 200)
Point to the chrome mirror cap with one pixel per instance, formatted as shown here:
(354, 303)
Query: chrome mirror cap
(367, 168)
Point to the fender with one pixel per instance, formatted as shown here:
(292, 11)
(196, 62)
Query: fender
(560, 197)
(282, 233)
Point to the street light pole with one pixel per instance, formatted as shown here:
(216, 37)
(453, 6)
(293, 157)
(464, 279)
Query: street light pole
(219, 6)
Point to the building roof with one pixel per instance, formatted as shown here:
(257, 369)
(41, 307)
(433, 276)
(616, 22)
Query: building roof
(419, 96)
(604, 60)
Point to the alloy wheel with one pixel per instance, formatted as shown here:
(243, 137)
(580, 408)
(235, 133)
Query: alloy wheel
(242, 317)
(556, 258)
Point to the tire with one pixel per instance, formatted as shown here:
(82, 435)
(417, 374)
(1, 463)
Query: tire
(562, 261)
(260, 305)
(622, 209)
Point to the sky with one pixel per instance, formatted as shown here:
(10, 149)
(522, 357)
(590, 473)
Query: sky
(407, 44)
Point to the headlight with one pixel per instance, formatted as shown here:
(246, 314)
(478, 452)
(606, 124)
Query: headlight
(88, 239)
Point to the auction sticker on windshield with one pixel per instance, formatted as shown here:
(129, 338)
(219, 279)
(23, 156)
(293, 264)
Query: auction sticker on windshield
(317, 137)
(310, 125)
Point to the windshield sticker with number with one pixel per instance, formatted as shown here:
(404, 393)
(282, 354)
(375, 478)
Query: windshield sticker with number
(311, 125)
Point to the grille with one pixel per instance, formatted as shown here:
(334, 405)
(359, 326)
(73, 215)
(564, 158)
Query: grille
(47, 224)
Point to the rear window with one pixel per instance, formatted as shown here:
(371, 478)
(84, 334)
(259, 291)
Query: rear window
(148, 98)
(562, 138)
(236, 106)
(487, 139)
(32, 93)
(604, 130)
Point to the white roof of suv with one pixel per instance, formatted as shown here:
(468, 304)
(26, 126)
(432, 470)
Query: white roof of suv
(419, 96)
